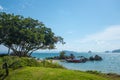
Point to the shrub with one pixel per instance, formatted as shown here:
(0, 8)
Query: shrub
(50, 64)
(2, 55)
(93, 72)
(15, 62)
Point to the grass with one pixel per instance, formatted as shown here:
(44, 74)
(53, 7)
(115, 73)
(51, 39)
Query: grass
(41, 73)
(31, 69)
(15, 62)
(109, 76)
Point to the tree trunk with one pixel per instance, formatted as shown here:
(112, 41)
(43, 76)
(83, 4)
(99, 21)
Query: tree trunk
(8, 51)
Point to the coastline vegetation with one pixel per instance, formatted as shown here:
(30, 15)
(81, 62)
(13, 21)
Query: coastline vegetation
(22, 67)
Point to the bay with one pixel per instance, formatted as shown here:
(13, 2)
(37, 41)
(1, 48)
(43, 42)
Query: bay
(109, 64)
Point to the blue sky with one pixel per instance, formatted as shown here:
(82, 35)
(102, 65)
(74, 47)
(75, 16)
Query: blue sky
(84, 24)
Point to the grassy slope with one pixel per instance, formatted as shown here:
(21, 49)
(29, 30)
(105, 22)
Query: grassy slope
(40, 73)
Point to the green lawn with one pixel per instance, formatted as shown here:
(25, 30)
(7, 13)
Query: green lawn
(40, 73)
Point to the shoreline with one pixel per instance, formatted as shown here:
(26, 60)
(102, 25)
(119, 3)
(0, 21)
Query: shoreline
(57, 61)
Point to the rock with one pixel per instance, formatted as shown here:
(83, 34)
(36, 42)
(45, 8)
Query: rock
(89, 51)
(91, 58)
(96, 58)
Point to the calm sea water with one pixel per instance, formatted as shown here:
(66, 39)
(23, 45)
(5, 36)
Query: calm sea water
(109, 64)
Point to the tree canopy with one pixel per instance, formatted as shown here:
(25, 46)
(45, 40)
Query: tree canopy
(25, 35)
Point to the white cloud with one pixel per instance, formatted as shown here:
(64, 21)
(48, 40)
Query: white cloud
(107, 39)
(1, 8)
(109, 34)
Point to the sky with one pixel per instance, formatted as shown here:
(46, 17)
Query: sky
(84, 24)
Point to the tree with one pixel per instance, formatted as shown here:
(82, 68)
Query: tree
(72, 56)
(25, 35)
(62, 55)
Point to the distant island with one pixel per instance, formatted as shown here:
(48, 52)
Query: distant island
(107, 51)
(113, 51)
(116, 51)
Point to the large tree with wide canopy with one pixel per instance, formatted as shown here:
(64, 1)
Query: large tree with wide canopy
(25, 35)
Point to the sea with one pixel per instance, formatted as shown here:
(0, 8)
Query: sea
(109, 64)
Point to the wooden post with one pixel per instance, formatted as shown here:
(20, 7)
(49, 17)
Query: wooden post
(5, 66)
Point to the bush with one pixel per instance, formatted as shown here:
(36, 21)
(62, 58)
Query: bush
(93, 72)
(51, 65)
(2, 72)
(30, 62)
(15, 62)
(2, 55)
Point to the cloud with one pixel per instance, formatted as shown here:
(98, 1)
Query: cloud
(112, 33)
(108, 39)
(1, 8)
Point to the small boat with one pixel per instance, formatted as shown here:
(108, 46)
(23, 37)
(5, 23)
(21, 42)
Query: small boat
(74, 60)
